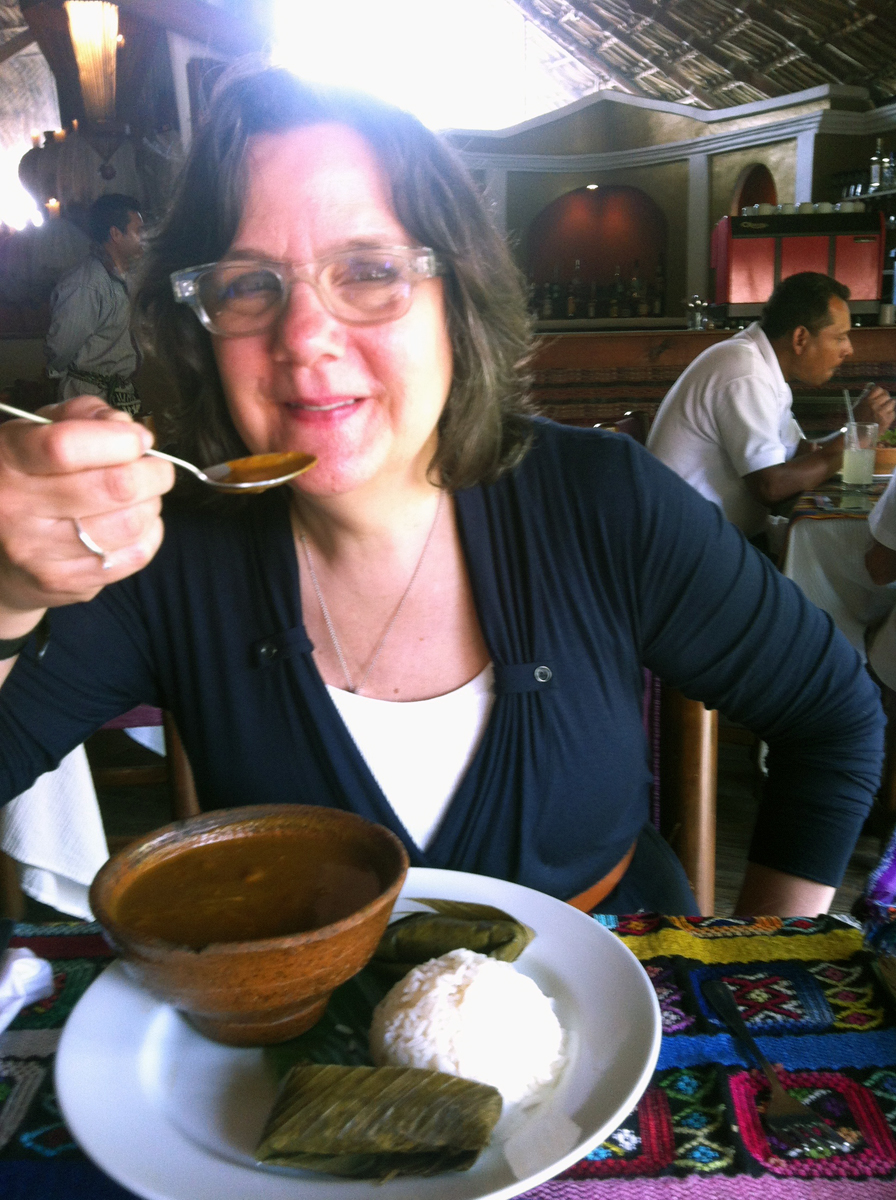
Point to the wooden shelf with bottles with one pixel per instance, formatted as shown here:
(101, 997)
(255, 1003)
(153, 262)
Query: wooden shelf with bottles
(884, 200)
(590, 324)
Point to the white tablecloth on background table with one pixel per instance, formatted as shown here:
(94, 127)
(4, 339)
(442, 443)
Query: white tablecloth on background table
(55, 833)
(827, 559)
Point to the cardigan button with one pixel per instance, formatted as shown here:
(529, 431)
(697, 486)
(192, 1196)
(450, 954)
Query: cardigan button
(543, 674)
(267, 651)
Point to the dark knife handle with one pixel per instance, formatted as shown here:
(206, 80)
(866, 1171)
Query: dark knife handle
(718, 993)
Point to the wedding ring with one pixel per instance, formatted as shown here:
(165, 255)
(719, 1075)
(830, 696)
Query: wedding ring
(87, 541)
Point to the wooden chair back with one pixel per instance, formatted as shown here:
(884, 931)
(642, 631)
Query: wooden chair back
(634, 422)
(689, 735)
(174, 770)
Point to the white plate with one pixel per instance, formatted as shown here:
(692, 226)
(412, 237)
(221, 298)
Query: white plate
(173, 1116)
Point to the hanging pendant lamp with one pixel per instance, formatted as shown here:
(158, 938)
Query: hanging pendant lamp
(94, 32)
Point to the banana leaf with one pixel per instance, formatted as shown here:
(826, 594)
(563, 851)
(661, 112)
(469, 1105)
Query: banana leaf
(452, 925)
(340, 1036)
(378, 1122)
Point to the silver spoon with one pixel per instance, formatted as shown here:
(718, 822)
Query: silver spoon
(251, 474)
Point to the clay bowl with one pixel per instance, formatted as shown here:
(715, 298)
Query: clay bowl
(321, 884)
(884, 460)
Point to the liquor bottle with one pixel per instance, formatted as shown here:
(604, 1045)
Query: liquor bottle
(659, 290)
(634, 284)
(574, 292)
(874, 181)
(617, 293)
(592, 300)
(557, 306)
(640, 305)
(629, 305)
(888, 172)
(546, 310)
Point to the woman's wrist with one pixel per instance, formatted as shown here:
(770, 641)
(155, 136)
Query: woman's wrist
(15, 632)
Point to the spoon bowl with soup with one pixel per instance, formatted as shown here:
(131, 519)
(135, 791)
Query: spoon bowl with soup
(254, 473)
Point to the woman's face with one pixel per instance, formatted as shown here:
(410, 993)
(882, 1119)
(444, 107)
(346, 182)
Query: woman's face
(365, 399)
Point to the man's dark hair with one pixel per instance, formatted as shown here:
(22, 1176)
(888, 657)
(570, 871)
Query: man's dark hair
(483, 429)
(802, 299)
(106, 211)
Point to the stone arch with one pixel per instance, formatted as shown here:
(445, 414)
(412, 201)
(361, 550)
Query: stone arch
(755, 185)
(609, 226)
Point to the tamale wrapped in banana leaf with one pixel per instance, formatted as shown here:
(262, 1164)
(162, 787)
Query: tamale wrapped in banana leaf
(378, 1122)
(452, 925)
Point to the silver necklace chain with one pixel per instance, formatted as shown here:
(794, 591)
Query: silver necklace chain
(328, 620)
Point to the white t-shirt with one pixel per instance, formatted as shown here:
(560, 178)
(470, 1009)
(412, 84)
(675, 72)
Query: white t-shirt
(418, 751)
(882, 518)
(727, 415)
(882, 649)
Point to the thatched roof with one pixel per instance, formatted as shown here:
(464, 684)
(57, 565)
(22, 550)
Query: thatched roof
(27, 95)
(708, 53)
(719, 53)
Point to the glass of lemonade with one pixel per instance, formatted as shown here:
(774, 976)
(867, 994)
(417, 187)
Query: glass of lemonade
(859, 448)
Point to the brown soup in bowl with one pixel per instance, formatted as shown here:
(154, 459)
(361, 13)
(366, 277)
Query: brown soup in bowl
(271, 884)
(246, 919)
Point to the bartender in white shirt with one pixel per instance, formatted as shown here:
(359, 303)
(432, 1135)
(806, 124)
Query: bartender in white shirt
(727, 425)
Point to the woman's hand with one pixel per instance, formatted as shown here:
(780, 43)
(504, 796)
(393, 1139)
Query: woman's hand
(88, 466)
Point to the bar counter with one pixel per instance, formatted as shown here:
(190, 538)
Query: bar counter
(599, 374)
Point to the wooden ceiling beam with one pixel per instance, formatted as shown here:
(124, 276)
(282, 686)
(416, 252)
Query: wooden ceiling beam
(49, 24)
(816, 52)
(17, 42)
(882, 9)
(736, 68)
(583, 53)
(663, 66)
(217, 28)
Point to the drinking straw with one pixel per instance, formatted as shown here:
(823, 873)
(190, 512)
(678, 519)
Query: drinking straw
(846, 397)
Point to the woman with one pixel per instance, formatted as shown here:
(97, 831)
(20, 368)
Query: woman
(502, 579)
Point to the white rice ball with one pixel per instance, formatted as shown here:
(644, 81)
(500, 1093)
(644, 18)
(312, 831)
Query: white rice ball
(473, 1016)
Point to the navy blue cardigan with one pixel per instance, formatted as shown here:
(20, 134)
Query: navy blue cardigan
(587, 561)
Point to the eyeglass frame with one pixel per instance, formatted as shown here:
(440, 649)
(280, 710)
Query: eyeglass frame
(423, 260)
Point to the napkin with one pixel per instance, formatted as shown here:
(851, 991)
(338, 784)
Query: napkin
(54, 831)
(24, 978)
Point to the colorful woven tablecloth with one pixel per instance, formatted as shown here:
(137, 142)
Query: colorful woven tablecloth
(808, 991)
(807, 988)
(833, 500)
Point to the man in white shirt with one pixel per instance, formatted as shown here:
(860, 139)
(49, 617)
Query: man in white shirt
(880, 560)
(89, 346)
(727, 425)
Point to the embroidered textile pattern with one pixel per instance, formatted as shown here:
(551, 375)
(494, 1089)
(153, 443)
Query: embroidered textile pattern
(808, 992)
(723, 941)
(850, 994)
(669, 994)
(843, 1103)
(770, 1001)
(807, 989)
(31, 1126)
(643, 1145)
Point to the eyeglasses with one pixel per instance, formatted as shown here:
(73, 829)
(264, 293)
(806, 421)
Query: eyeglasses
(242, 297)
